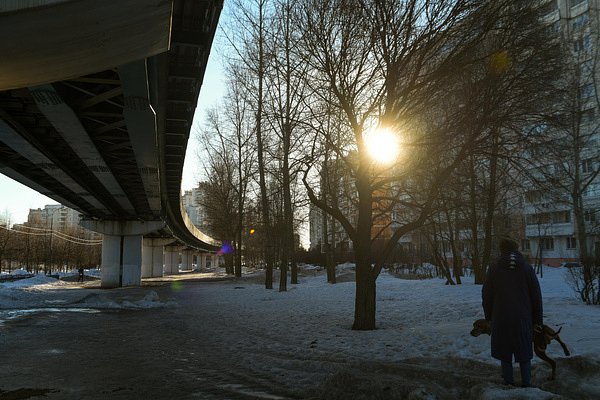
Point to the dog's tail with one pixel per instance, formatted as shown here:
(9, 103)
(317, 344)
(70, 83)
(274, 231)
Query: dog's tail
(558, 331)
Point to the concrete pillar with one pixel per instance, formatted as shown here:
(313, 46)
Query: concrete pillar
(196, 262)
(203, 260)
(215, 260)
(121, 260)
(152, 256)
(186, 260)
(172, 259)
(122, 249)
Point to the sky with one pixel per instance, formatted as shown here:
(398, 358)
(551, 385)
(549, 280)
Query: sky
(16, 199)
(311, 341)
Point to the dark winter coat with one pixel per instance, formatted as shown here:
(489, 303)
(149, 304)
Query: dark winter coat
(512, 300)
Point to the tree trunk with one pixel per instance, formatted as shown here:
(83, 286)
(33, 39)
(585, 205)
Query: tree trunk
(268, 269)
(456, 256)
(491, 202)
(288, 239)
(264, 201)
(294, 269)
(440, 259)
(283, 268)
(327, 252)
(229, 261)
(330, 265)
(587, 292)
(364, 306)
(475, 259)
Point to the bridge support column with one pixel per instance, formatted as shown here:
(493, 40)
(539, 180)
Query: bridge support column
(171, 262)
(196, 262)
(203, 260)
(152, 256)
(172, 259)
(215, 260)
(122, 249)
(186, 260)
(121, 260)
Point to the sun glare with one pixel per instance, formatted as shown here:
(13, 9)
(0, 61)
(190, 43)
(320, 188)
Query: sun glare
(382, 145)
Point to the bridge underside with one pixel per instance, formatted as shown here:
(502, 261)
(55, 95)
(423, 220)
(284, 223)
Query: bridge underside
(97, 102)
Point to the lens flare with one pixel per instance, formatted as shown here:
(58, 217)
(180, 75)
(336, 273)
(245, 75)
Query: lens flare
(225, 249)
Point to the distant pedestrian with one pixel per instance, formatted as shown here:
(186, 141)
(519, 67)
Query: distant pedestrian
(80, 278)
(512, 301)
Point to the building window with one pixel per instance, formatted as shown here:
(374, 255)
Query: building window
(587, 91)
(589, 215)
(547, 243)
(571, 243)
(589, 191)
(561, 217)
(554, 27)
(586, 69)
(582, 44)
(587, 166)
(534, 196)
(580, 21)
(525, 245)
(588, 116)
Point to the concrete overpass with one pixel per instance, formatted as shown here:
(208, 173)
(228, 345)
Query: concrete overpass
(96, 105)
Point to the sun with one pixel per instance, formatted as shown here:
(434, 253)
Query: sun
(382, 145)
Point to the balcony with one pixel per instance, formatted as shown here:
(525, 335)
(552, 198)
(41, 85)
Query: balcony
(564, 229)
(578, 7)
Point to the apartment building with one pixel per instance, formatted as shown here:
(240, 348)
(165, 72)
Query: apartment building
(56, 216)
(551, 230)
(192, 202)
(338, 189)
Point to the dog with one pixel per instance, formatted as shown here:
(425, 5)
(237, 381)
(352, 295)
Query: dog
(541, 339)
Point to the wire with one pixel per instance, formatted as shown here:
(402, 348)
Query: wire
(56, 232)
(59, 235)
(66, 236)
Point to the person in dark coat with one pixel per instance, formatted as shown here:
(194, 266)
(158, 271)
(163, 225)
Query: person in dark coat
(512, 302)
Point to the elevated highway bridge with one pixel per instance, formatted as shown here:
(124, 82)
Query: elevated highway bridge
(96, 105)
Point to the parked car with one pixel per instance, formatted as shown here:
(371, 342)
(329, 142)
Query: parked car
(570, 264)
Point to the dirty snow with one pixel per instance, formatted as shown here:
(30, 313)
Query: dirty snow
(417, 320)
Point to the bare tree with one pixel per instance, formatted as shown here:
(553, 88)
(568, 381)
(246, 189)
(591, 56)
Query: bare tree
(285, 107)
(230, 163)
(402, 65)
(251, 33)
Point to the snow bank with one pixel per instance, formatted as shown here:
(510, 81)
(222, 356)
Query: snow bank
(37, 282)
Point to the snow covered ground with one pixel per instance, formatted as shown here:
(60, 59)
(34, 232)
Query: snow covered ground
(298, 344)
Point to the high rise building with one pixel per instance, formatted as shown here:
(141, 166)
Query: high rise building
(56, 216)
(568, 176)
(192, 202)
